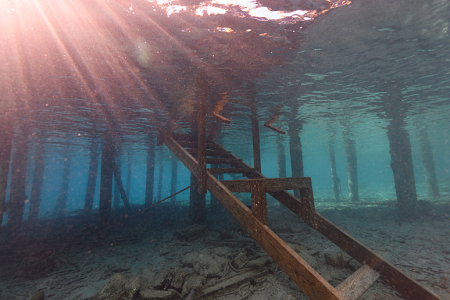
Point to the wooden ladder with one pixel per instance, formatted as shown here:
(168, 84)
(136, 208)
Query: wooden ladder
(255, 223)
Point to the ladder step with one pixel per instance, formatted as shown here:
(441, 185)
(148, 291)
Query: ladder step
(223, 161)
(230, 170)
(221, 153)
(358, 283)
(194, 145)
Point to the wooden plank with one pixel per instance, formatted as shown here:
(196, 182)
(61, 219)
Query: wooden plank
(201, 132)
(223, 161)
(259, 202)
(256, 142)
(358, 283)
(226, 284)
(220, 153)
(308, 280)
(229, 170)
(270, 184)
(390, 274)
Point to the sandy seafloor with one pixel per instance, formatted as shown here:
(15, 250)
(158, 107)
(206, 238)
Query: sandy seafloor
(420, 248)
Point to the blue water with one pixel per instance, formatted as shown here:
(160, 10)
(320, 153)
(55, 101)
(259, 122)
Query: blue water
(78, 73)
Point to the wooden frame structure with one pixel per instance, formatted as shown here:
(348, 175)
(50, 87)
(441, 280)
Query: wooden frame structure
(255, 223)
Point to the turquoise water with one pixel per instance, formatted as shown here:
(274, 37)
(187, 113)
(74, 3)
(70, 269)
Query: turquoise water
(74, 74)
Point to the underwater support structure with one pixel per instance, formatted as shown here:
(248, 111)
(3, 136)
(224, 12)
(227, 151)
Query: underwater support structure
(197, 204)
(118, 179)
(395, 110)
(6, 136)
(60, 206)
(117, 196)
(296, 153)
(256, 141)
(150, 176)
(91, 182)
(334, 178)
(36, 186)
(352, 168)
(281, 157)
(173, 179)
(17, 199)
(129, 175)
(160, 178)
(428, 165)
(201, 130)
(106, 183)
(402, 167)
(309, 281)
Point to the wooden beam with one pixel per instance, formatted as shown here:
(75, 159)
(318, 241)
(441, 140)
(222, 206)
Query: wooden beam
(358, 283)
(222, 161)
(150, 175)
(309, 281)
(118, 179)
(6, 136)
(201, 132)
(36, 187)
(256, 142)
(106, 180)
(259, 202)
(229, 170)
(220, 153)
(270, 184)
(91, 181)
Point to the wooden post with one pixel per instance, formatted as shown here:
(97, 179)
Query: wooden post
(307, 205)
(352, 168)
(118, 179)
(160, 178)
(402, 167)
(129, 175)
(106, 180)
(256, 142)
(259, 203)
(117, 196)
(201, 131)
(150, 177)
(91, 182)
(295, 149)
(173, 179)
(197, 204)
(428, 165)
(395, 111)
(6, 135)
(17, 199)
(60, 206)
(214, 204)
(281, 157)
(334, 178)
(36, 187)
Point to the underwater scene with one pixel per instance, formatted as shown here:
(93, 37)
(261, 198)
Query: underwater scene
(224, 149)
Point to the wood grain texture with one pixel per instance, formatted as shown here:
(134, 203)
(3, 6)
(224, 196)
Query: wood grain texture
(358, 283)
